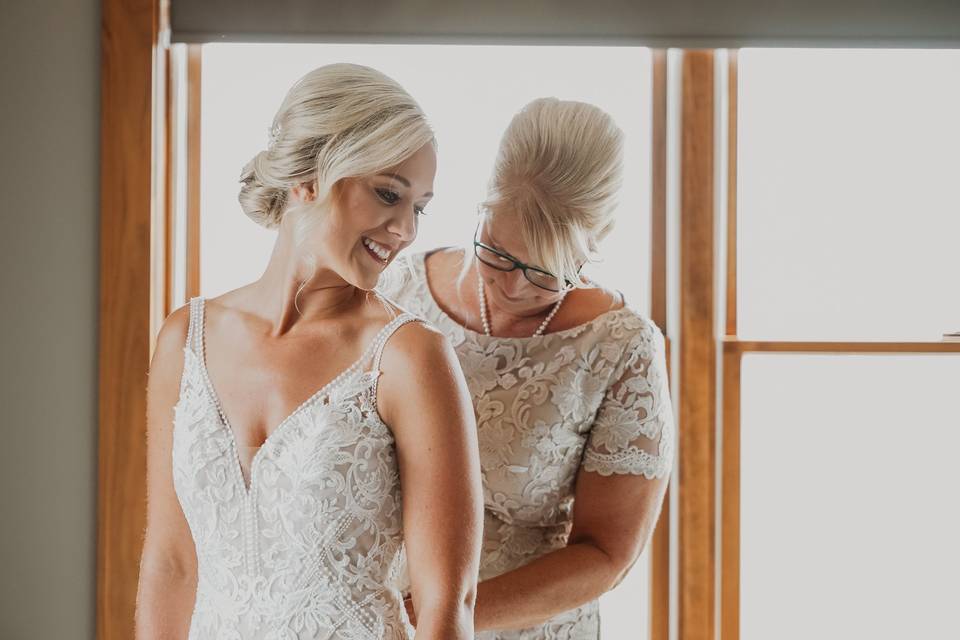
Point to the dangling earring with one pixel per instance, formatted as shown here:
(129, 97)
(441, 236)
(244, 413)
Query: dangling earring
(295, 297)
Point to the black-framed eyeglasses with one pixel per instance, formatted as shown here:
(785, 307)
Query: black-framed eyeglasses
(503, 262)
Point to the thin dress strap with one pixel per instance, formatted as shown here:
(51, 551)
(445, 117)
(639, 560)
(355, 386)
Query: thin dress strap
(195, 328)
(385, 334)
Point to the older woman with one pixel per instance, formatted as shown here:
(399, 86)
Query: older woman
(568, 381)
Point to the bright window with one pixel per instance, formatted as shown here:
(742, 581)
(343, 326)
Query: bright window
(849, 513)
(849, 194)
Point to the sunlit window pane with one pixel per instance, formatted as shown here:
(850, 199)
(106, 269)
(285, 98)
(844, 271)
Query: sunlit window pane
(625, 611)
(849, 510)
(849, 193)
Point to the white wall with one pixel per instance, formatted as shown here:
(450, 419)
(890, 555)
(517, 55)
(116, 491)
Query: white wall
(49, 169)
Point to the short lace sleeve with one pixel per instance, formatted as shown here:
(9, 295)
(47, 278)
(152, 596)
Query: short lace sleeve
(633, 429)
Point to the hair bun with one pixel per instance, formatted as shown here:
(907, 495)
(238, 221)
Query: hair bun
(263, 203)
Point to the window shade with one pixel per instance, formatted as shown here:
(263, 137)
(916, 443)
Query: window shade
(669, 23)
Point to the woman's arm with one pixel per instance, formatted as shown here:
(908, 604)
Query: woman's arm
(613, 519)
(424, 399)
(168, 583)
(617, 500)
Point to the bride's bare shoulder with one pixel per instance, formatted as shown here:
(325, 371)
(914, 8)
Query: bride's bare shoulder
(418, 362)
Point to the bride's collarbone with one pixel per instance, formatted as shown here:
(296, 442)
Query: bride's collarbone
(262, 382)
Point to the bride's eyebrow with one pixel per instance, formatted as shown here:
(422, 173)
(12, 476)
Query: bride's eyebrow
(396, 176)
(399, 178)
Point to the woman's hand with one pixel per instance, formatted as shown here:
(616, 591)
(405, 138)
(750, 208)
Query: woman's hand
(411, 613)
(613, 519)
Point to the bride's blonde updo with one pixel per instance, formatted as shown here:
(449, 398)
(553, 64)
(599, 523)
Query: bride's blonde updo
(558, 170)
(338, 121)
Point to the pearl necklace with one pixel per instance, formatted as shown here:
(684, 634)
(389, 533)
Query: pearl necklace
(486, 322)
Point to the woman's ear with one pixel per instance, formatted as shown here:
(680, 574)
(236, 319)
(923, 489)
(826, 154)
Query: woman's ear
(304, 192)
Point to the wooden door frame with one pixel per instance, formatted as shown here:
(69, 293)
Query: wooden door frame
(131, 209)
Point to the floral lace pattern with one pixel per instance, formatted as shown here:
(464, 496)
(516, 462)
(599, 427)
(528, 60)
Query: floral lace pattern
(594, 398)
(309, 550)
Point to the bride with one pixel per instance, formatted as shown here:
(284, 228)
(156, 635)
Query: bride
(285, 416)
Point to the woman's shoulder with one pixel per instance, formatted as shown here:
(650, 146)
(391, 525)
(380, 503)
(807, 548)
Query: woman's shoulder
(224, 307)
(167, 361)
(418, 353)
(640, 338)
(175, 327)
(406, 282)
(606, 309)
(617, 326)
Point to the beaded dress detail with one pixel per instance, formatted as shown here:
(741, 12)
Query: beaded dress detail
(310, 548)
(592, 398)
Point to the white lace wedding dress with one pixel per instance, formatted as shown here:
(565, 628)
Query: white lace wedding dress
(593, 397)
(310, 548)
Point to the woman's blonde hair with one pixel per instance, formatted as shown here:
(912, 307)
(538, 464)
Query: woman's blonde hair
(338, 121)
(558, 170)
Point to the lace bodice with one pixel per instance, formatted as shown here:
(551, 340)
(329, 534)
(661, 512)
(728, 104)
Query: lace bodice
(593, 398)
(310, 548)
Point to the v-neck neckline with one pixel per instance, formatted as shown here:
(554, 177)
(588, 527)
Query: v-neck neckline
(214, 398)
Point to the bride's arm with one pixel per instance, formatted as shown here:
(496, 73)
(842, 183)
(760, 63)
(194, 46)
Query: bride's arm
(423, 398)
(168, 566)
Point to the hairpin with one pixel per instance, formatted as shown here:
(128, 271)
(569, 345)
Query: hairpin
(273, 134)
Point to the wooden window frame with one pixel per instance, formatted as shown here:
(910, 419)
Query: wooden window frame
(132, 273)
(660, 578)
(194, 87)
(137, 216)
(138, 219)
(137, 272)
(696, 352)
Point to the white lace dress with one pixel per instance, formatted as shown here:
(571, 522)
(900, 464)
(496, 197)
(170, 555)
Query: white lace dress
(310, 548)
(593, 397)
